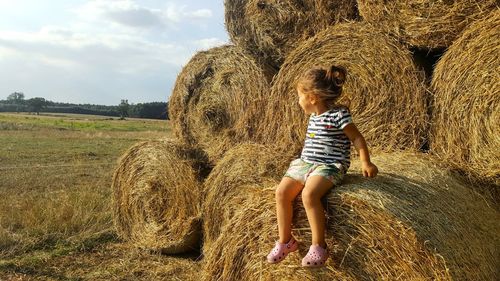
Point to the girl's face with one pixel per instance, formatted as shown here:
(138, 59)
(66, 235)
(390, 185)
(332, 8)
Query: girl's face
(306, 102)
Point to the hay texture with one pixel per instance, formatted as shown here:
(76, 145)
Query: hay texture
(270, 29)
(156, 197)
(425, 23)
(244, 167)
(384, 89)
(466, 97)
(209, 101)
(413, 222)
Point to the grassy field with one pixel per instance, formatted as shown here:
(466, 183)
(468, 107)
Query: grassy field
(55, 212)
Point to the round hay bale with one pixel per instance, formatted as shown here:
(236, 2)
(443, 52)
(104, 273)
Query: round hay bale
(244, 167)
(209, 101)
(384, 89)
(414, 221)
(424, 23)
(156, 197)
(270, 29)
(466, 102)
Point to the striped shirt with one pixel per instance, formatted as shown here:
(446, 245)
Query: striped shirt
(325, 141)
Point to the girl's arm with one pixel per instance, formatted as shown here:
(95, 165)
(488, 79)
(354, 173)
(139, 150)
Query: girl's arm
(367, 167)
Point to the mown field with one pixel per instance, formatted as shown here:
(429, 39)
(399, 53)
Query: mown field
(55, 208)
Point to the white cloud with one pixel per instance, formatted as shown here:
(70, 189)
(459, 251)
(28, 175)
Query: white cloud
(208, 43)
(122, 50)
(129, 13)
(200, 14)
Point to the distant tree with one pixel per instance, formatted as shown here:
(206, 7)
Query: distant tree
(151, 110)
(123, 109)
(36, 104)
(16, 98)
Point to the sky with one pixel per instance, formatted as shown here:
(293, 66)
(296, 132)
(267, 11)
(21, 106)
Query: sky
(103, 51)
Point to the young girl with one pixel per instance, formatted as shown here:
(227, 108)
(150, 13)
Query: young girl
(324, 160)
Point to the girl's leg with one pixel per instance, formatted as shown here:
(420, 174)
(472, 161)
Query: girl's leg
(286, 192)
(315, 188)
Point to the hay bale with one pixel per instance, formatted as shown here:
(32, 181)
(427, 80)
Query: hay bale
(466, 96)
(270, 29)
(424, 23)
(209, 101)
(415, 221)
(246, 166)
(156, 196)
(384, 89)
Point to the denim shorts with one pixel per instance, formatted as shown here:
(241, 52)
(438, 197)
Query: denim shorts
(300, 170)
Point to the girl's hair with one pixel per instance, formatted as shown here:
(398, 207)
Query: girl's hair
(324, 83)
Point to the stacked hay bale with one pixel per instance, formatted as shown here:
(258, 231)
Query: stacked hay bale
(415, 221)
(427, 24)
(244, 167)
(151, 181)
(208, 106)
(384, 90)
(270, 29)
(466, 99)
(396, 226)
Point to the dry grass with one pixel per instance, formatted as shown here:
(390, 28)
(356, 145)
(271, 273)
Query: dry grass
(384, 89)
(106, 261)
(208, 104)
(415, 221)
(56, 212)
(466, 103)
(156, 192)
(271, 29)
(425, 23)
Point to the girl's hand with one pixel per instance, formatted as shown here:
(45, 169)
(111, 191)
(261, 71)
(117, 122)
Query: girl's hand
(369, 169)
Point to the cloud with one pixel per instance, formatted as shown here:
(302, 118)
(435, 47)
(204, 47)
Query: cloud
(125, 52)
(138, 17)
(200, 14)
(208, 43)
(128, 13)
(122, 12)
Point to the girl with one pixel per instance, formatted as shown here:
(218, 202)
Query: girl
(324, 160)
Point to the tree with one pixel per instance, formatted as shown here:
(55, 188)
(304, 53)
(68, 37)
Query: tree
(16, 98)
(153, 110)
(36, 104)
(123, 109)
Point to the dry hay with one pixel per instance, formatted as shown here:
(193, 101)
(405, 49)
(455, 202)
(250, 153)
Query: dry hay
(414, 221)
(246, 166)
(424, 23)
(112, 261)
(384, 90)
(208, 104)
(156, 196)
(270, 29)
(466, 112)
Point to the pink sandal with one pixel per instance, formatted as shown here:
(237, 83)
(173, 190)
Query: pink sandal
(316, 257)
(281, 250)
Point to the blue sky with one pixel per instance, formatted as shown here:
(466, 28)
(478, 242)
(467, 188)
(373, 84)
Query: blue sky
(102, 51)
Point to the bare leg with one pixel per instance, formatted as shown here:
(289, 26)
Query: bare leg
(286, 192)
(315, 188)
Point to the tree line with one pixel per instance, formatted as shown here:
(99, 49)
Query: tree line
(16, 102)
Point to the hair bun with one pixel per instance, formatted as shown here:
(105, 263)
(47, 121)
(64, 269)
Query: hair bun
(336, 75)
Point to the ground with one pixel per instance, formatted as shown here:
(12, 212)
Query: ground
(55, 213)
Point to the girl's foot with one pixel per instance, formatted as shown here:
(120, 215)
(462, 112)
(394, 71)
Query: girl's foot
(281, 250)
(316, 256)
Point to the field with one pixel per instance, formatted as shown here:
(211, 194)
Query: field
(55, 213)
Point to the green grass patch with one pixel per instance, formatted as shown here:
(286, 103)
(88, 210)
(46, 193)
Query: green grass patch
(10, 121)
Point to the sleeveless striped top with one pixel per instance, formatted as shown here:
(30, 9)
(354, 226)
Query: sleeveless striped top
(325, 141)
